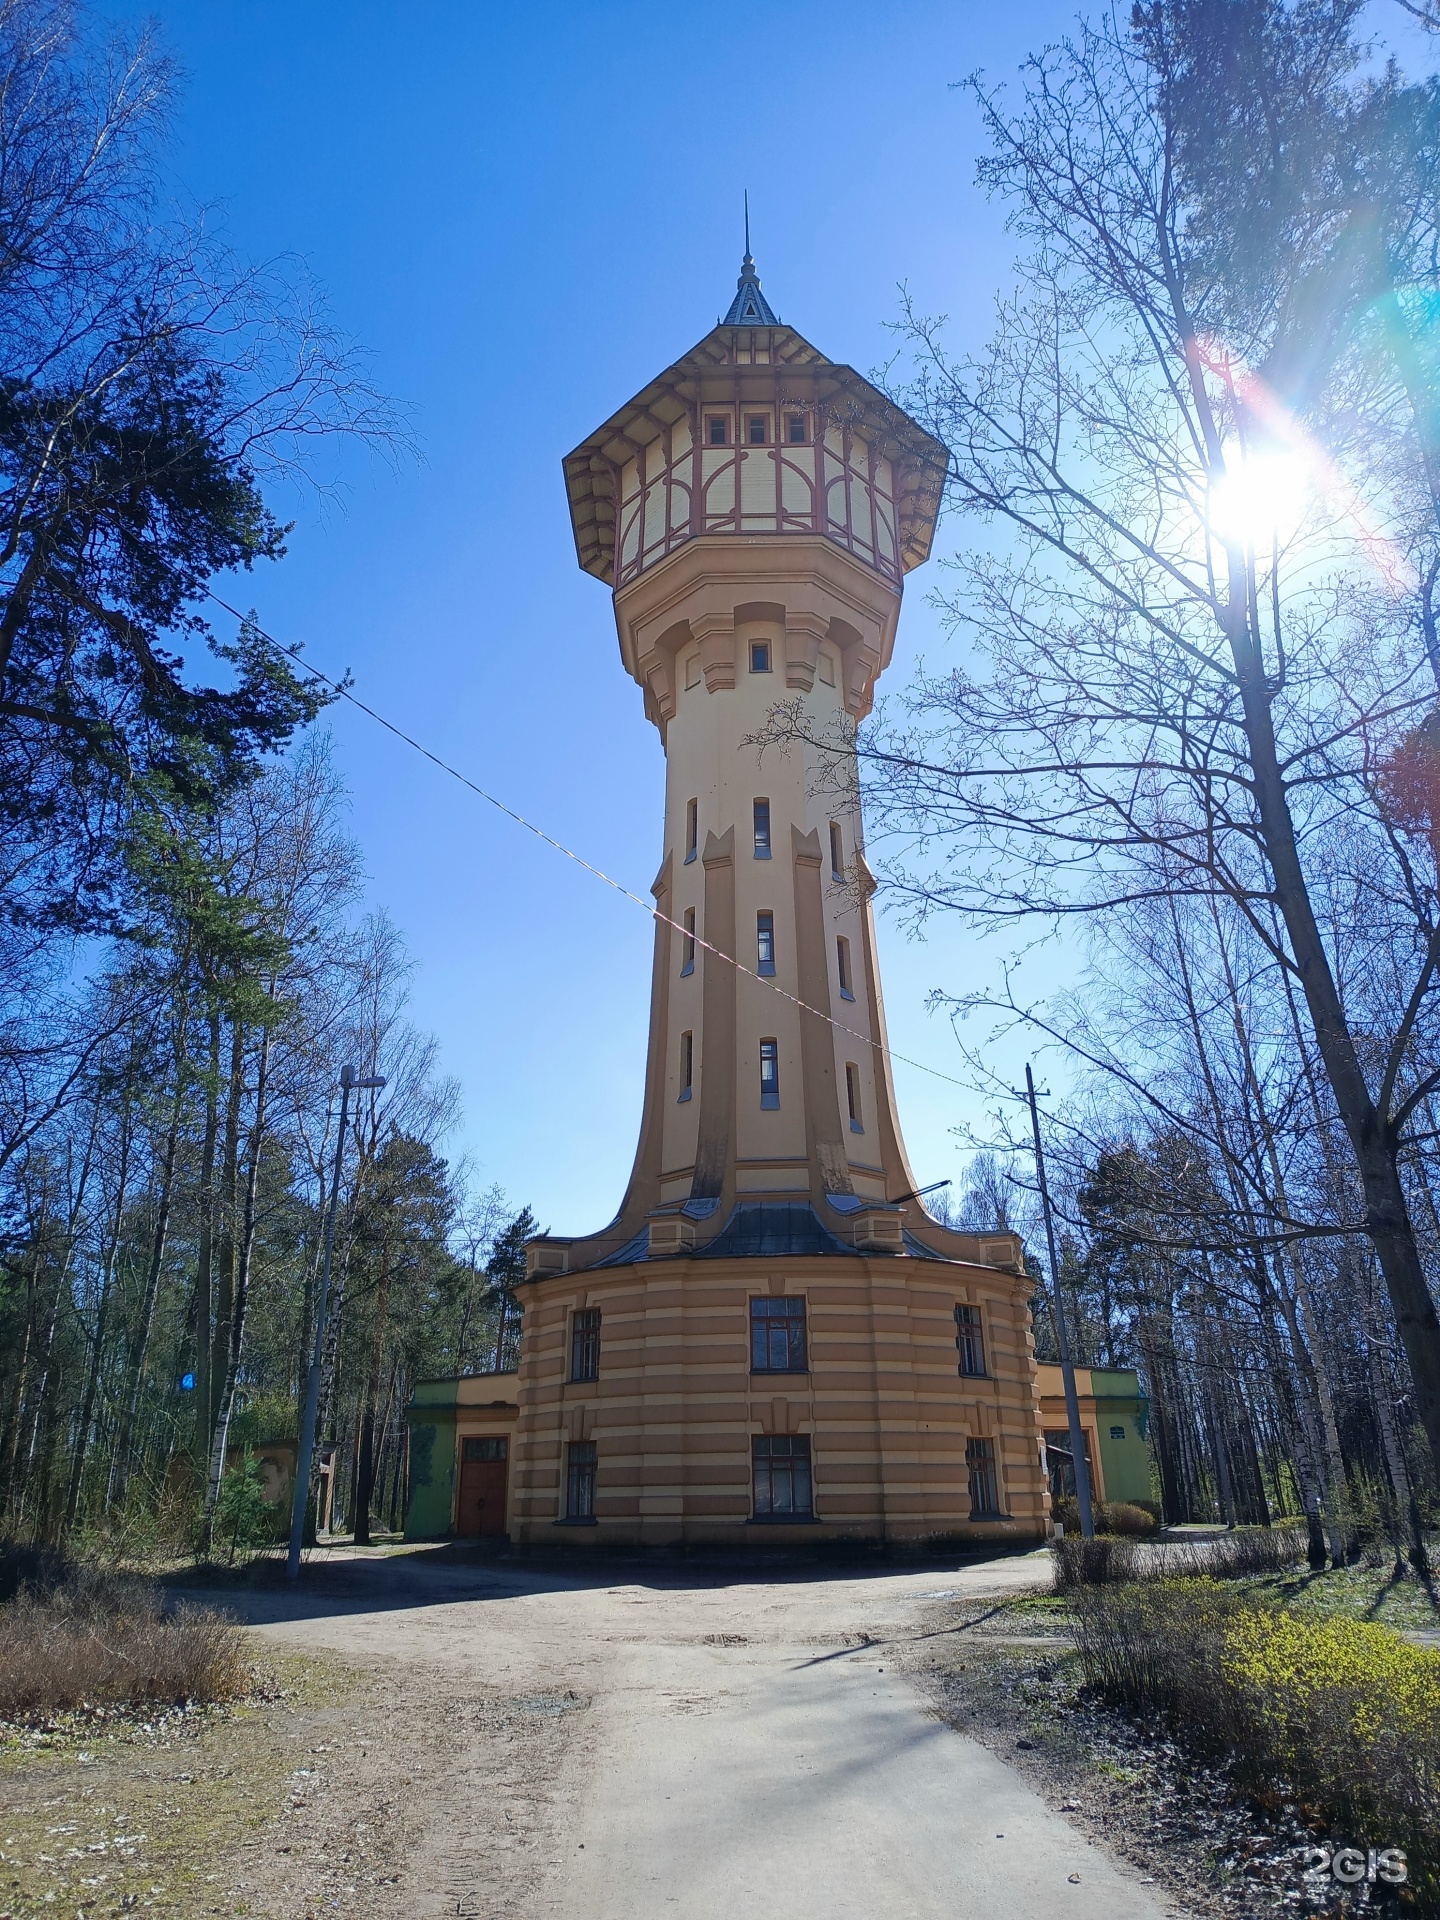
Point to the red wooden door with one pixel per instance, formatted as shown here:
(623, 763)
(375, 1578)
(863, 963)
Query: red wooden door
(484, 1465)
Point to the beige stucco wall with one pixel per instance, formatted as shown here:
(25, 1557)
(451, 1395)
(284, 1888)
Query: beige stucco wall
(675, 1407)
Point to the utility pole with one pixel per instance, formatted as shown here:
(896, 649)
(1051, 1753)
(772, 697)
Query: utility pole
(300, 1493)
(1067, 1370)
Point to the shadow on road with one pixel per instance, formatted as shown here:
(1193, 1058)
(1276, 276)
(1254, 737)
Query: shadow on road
(335, 1582)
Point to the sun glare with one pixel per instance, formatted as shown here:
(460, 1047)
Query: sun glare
(1260, 498)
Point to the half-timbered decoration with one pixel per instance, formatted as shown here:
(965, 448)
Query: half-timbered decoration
(772, 1340)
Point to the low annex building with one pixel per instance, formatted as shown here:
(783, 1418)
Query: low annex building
(772, 1341)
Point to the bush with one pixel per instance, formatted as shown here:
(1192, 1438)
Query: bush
(1127, 1517)
(79, 1637)
(1340, 1714)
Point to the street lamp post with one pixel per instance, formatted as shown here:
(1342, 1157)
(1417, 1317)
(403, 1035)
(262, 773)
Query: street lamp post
(1067, 1370)
(300, 1495)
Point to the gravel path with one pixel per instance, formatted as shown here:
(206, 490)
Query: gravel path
(651, 1739)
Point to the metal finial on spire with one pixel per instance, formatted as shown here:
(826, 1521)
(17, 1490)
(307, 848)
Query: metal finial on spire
(749, 308)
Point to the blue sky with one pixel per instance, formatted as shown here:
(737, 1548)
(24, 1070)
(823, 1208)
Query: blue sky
(524, 212)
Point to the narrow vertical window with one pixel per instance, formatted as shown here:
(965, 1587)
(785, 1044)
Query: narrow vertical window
(692, 670)
(692, 829)
(762, 829)
(837, 852)
(780, 1463)
(984, 1489)
(769, 1073)
(757, 429)
(765, 942)
(777, 1334)
(585, 1344)
(760, 656)
(687, 1064)
(970, 1339)
(842, 967)
(795, 429)
(852, 1095)
(580, 1480)
(687, 945)
(717, 430)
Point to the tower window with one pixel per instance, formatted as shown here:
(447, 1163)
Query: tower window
(757, 429)
(769, 1073)
(970, 1339)
(762, 829)
(827, 668)
(687, 952)
(585, 1344)
(842, 967)
(692, 670)
(852, 1096)
(580, 1480)
(760, 656)
(984, 1492)
(795, 429)
(687, 1064)
(777, 1335)
(837, 852)
(765, 942)
(780, 1463)
(717, 430)
(692, 829)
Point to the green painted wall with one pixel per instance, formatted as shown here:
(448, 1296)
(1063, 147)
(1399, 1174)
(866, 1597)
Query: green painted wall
(1124, 1455)
(431, 1493)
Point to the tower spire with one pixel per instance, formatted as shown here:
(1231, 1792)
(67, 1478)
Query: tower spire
(749, 308)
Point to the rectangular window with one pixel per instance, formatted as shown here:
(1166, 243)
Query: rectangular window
(852, 1095)
(473, 1450)
(795, 429)
(765, 942)
(970, 1339)
(760, 656)
(687, 945)
(687, 1064)
(717, 430)
(580, 1480)
(585, 1345)
(692, 670)
(692, 830)
(757, 429)
(827, 668)
(842, 967)
(984, 1493)
(762, 829)
(769, 1073)
(837, 852)
(777, 1335)
(780, 1463)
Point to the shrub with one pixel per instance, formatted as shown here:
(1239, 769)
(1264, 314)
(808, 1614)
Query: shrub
(89, 1638)
(1111, 1516)
(1341, 1714)
(1123, 1516)
(243, 1518)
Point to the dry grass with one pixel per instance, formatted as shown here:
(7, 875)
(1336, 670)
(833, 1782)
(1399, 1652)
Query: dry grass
(78, 1637)
(1109, 1561)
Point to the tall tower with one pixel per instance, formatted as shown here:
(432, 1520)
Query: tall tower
(772, 1330)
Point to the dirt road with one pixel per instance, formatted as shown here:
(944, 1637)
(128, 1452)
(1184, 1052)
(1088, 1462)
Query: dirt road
(640, 1742)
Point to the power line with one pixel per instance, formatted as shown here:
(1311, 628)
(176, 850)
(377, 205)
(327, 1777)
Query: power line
(338, 687)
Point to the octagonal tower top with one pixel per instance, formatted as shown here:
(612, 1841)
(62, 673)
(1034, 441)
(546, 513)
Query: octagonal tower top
(754, 432)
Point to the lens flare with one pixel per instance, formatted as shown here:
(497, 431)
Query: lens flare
(1260, 498)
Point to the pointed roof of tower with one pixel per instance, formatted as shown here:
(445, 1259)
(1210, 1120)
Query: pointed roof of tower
(749, 308)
